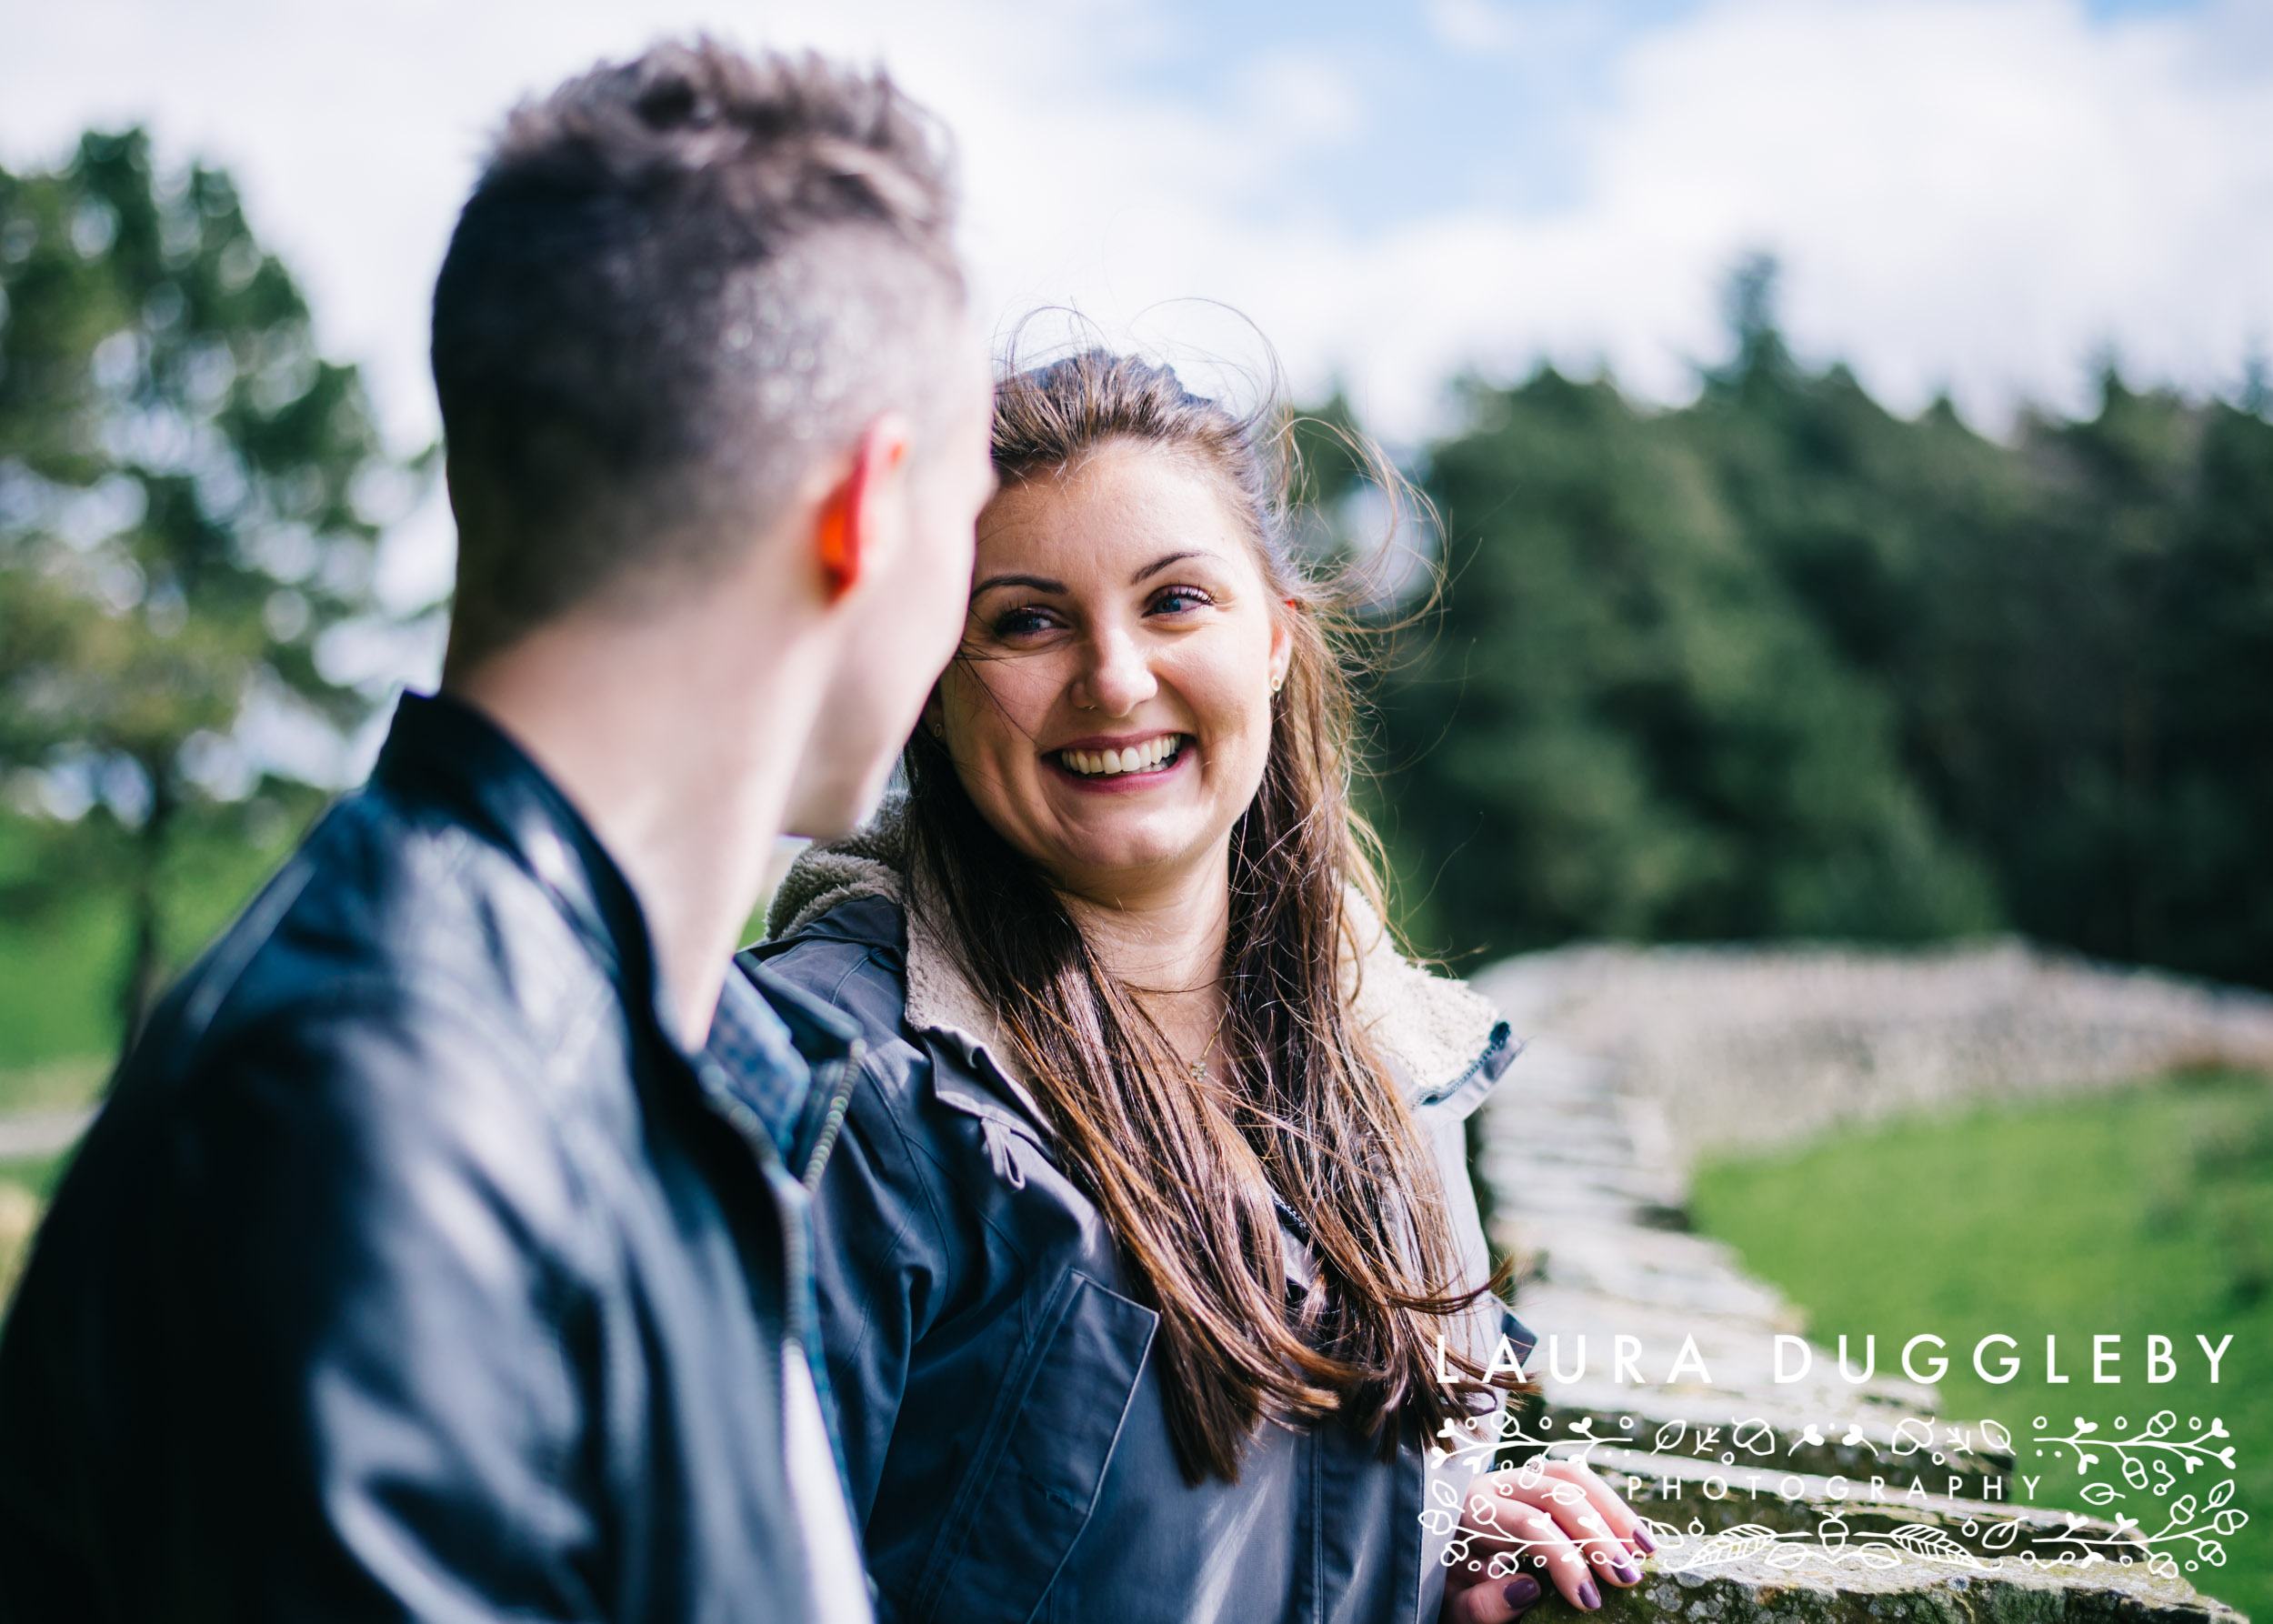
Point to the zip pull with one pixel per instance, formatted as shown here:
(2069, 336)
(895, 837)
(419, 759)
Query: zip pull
(846, 1073)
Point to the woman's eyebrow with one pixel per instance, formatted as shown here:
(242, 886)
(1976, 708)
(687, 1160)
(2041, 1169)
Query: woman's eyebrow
(1037, 583)
(1158, 565)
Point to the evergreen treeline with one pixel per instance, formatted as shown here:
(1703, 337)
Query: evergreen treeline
(1781, 662)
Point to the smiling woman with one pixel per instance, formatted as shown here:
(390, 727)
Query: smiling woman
(1111, 713)
(1149, 1220)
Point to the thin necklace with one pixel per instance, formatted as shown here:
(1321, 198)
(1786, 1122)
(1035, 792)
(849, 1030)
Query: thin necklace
(1198, 1068)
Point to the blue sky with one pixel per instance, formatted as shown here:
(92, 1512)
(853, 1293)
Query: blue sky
(1449, 104)
(1444, 115)
(1977, 196)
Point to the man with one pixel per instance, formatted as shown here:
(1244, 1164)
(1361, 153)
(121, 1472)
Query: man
(423, 1264)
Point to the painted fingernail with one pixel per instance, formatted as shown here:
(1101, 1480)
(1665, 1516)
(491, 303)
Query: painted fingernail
(1521, 1592)
(1628, 1574)
(1588, 1596)
(1642, 1538)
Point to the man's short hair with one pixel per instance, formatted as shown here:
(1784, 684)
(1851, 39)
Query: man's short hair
(680, 281)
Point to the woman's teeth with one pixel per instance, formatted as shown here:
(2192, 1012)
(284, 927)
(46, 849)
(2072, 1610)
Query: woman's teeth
(1138, 758)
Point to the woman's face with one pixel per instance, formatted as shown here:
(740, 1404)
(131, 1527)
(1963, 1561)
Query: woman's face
(1113, 715)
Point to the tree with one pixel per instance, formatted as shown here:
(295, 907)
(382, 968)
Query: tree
(1781, 663)
(2120, 661)
(1627, 726)
(2076, 630)
(179, 522)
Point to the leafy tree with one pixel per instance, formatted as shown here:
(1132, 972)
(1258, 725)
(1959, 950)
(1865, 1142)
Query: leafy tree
(2077, 630)
(179, 474)
(1627, 726)
(2118, 651)
(1781, 662)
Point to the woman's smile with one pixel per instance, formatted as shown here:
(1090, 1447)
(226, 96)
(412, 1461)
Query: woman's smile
(1138, 762)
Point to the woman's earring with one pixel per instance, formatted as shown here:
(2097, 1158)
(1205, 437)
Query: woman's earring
(1277, 683)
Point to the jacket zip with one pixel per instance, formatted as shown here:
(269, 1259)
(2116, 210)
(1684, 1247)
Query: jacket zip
(842, 1075)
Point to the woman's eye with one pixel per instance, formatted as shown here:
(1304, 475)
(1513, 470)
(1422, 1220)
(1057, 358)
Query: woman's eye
(1180, 600)
(1023, 623)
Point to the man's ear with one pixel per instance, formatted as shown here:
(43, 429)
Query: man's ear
(851, 529)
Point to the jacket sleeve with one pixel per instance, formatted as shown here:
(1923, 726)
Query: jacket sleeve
(1444, 1123)
(362, 1280)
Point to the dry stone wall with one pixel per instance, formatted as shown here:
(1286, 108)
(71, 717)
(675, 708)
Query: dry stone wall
(1819, 1499)
(1737, 1048)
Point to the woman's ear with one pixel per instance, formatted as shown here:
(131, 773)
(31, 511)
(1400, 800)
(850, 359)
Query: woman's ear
(935, 720)
(1282, 647)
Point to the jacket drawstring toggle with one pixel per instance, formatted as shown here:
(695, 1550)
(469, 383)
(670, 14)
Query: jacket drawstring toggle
(1006, 1168)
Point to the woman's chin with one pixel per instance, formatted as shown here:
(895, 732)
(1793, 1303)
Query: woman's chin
(1106, 841)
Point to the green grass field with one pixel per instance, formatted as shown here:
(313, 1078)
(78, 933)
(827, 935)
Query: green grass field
(35, 1176)
(25, 1185)
(64, 956)
(61, 965)
(2144, 1212)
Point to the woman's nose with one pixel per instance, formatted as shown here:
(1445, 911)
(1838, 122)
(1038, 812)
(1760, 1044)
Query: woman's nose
(1117, 678)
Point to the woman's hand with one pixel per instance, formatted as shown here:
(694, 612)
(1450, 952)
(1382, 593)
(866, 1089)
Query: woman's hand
(1549, 1521)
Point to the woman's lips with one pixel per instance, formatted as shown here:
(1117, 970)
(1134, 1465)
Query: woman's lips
(1107, 758)
(1155, 759)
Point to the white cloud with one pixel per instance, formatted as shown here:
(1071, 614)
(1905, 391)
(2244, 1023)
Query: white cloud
(1981, 195)
(1970, 194)
(1471, 25)
(1293, 101)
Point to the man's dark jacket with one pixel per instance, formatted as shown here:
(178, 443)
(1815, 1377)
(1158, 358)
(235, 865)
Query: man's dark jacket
(414, 1270)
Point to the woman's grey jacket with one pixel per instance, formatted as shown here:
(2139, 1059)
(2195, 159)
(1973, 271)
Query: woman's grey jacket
(1001, 1424)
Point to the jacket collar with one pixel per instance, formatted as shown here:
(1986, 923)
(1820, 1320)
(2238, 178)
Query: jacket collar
(1444, 1043)
(443, 753)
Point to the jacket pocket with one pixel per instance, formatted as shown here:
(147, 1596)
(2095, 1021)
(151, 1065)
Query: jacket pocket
(1035, 1480)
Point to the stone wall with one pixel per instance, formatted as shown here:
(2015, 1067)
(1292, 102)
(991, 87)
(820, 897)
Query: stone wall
(1743, 1048)
(1820, 1498)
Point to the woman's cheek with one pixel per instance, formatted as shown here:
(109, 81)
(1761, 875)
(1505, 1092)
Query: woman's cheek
(1020, 692)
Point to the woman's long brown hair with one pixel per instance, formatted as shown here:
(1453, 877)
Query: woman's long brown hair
(1192, 1175)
